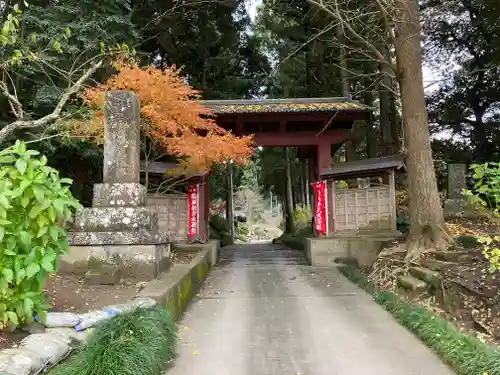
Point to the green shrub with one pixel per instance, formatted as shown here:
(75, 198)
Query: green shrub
(34, 206)
(468, 242)
(302, 218)
(219, 230)
(486, 194)
(136, 343)
(403, 224)
(466, 354)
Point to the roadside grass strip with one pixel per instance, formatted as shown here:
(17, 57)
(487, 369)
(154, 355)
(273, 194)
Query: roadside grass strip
(464, 353)
(136, 343)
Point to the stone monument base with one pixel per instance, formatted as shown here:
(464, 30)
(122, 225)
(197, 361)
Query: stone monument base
(142, 262)
(455, 207)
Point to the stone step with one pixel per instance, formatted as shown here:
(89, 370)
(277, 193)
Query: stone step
(436, 265)
(108, 219)
(433, 278)
(139, 237)
(412, 283)
(453, 256)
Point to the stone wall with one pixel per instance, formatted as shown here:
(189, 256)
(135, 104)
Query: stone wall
(172, 214)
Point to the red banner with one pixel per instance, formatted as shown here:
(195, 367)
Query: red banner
(193, 206)
(320, 207)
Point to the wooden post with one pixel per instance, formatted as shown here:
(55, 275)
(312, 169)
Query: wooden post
(392, 198)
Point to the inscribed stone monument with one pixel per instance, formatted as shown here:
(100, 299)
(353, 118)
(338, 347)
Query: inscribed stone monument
(456, 203)
(119, 234)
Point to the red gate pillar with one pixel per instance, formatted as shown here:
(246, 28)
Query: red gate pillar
(324, 162)
(201, 208)
(324, 155)
(204, 208)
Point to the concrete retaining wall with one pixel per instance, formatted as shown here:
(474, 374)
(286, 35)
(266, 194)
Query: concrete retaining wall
(176, 288)
(329, 251)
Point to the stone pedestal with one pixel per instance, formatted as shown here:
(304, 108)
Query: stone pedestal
(119, 236)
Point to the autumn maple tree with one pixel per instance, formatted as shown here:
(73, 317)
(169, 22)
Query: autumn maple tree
(173, 117)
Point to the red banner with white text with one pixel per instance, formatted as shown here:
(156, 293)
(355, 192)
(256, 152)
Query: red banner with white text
(193, 207)
(320, 207)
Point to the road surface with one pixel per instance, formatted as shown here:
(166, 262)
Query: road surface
(263, 311)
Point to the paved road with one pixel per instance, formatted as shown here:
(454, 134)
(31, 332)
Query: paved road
(263, 311)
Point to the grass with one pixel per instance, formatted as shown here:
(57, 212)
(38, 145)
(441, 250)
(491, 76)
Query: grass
(466, 354)
(136, 343)
(296, 240)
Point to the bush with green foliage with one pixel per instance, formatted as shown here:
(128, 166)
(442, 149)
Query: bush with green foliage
(467, 241)
(466, 354)
(136, 343)
(35, 203)
(219, 229)
(486, 193)
(302, 217)
(403, 224)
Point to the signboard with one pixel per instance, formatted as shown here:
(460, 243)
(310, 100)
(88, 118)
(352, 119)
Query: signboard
(193, 208)
(320, 207)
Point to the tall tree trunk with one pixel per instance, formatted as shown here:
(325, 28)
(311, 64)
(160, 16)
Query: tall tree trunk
(303, 183)
(290, 225)
(344, 80)
(307, 175)
(385, 88)
(371, 147)
(230, 201)
(481, 153)
(395, 120)
(426, 214)
(351, 144)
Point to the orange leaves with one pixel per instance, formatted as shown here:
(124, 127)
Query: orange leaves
(177, 121)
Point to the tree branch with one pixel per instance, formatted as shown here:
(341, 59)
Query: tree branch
(56, 113)
(346, 25)
(15, 105)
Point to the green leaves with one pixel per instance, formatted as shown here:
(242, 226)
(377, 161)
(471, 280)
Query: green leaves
(486, 194)
(34, 202)
(8, 274)
(32, 270)
(57, 46)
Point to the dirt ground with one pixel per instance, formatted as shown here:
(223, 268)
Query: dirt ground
(469, 295)
(69, 293)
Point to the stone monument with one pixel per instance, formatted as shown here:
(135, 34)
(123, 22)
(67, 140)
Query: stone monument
(118, 237)
(455, 203)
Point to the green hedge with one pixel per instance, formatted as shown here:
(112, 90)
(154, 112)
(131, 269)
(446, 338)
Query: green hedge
(136, 343)
(466, 354)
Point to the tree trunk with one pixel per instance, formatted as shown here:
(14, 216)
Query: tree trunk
(395, 120)
(385, 104)
(229, 201)
(426, 214)
(481, 153)
(368, 99)
(351, 144)
(371, 148)
(290, 225)
(344, 80)
(307, 175)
